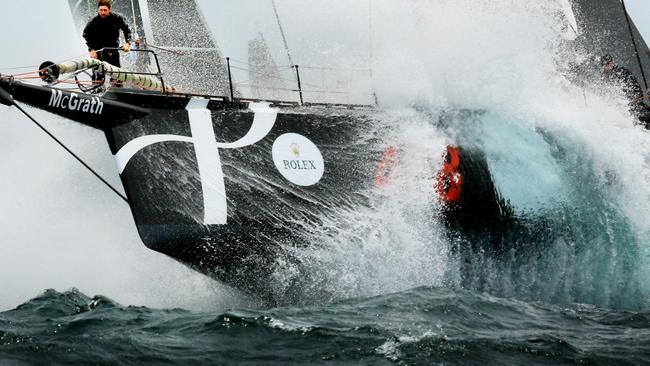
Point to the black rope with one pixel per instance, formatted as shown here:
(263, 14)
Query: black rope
(636, 49)
(6, 96)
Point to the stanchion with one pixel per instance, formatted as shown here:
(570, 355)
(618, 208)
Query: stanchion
(232, 94)
(299, 85)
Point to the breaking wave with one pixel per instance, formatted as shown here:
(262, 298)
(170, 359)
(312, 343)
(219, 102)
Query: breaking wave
(574, 168)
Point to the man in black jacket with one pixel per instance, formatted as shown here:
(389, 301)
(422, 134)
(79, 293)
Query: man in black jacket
(622, 77)
(103, 31)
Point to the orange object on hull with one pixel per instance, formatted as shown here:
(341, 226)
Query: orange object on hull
(450, 181)
(386, 166)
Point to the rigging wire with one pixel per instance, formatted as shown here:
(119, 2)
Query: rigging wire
(305, 90)
(135, 24)
(284, 67)
(636, 49)
(284, 38)
(263, 74)
(262, 66)
(278, 68)
(20, 68)
(6, 96)
(273, 76)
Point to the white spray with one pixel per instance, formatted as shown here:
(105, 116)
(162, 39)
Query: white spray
(507, 58)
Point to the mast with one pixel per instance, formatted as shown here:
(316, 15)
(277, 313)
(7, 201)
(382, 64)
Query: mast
(146, 21)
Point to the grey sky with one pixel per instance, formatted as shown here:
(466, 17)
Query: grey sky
(640, 12)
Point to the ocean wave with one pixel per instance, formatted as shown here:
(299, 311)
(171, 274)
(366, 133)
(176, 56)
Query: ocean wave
(420, 326)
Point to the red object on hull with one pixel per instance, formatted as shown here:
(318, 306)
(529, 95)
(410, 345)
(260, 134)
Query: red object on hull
(450, 181)
(386, 166)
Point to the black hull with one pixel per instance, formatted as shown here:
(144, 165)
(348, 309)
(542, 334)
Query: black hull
(228, 188)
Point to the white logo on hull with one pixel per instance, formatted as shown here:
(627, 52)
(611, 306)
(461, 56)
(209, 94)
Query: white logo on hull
(207, 152)
(73, 102)
(298, 159)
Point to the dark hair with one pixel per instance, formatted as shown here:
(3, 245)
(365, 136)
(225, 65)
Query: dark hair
(104, 3)
(606, 59)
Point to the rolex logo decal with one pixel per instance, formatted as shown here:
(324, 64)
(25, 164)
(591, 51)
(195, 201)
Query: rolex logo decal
(298, 159)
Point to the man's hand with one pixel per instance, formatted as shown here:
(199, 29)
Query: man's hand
(126, 47)
(93, 54)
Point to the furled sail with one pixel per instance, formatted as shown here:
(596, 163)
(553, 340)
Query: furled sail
(135, 80)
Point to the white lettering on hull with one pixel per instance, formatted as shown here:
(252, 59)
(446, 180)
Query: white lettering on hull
(73, 102)
(298, 159)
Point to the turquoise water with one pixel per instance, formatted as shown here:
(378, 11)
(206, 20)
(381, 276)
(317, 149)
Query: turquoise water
(574, 238)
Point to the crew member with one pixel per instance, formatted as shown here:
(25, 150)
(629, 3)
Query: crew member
(103, 31)
(630, 85)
